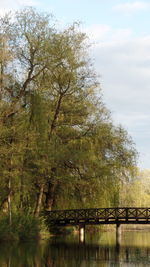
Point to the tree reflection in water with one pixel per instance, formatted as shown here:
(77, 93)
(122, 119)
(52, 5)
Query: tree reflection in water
(98, 250)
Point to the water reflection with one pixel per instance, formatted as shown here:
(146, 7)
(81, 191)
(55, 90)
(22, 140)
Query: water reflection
(98, 250)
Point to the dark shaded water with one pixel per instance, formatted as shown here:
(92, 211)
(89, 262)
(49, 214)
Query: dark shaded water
(100, 249)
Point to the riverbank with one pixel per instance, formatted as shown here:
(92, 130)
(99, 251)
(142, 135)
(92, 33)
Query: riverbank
(22, 227)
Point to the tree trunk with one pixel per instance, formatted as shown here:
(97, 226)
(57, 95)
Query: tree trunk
(9, 201)
(50, 195)
(39, 200)
(1, 79)
(21, 193)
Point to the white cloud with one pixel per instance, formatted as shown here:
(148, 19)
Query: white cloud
(131, 7)
(9, 5)
(97, 32)
(102, 33)
(27, 2)
(123, 61)
(133, 120)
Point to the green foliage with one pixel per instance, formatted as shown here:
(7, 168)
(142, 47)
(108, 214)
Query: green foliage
(58, 145)
(23, 227)
(136, 192)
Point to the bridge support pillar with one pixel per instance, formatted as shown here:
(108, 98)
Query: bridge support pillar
(82, 233)
(118, 234)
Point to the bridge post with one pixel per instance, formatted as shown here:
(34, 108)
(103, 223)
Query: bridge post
(82, 233)
(118, 234)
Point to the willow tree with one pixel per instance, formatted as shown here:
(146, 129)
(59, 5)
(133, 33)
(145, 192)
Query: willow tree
(50, 92)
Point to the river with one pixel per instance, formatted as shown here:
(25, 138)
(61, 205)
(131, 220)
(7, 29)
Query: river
(99, 249)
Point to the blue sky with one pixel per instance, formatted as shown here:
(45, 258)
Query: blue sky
(120, 32)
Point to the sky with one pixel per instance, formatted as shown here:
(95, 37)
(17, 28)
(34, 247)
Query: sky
(120, 33)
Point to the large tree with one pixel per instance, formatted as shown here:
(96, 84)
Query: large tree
(58, 137)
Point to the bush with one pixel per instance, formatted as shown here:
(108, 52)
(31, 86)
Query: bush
(23, 227)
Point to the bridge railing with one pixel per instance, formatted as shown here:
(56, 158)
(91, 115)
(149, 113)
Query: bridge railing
(106, 214)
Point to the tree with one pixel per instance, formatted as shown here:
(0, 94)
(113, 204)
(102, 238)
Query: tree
(59, 132)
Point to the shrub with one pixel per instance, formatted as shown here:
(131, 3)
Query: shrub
(23, 227)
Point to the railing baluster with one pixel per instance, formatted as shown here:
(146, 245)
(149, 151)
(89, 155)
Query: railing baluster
(127, 214)
(136, 214)
(147, 214)
(115, 211)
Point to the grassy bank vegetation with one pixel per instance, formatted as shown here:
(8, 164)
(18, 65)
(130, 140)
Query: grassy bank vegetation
(23, 227)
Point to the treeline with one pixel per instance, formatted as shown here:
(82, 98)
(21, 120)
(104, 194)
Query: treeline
(58, 145)
(136, 193)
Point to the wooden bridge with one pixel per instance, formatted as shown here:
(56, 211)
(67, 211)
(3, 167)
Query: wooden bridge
(83, 217)
(117, 216)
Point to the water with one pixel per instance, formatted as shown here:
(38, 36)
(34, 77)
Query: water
(100, 249)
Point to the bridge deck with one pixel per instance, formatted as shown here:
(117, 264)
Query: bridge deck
(125, 215)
